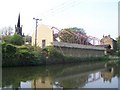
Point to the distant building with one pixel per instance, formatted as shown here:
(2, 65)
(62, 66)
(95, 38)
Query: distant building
(44, 36)
(18, 28)
(109, 43)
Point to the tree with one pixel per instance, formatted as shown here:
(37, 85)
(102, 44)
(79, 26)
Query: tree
(7, 31)
(73, 35)
(118, 40)
(118, 45)
(17, 39)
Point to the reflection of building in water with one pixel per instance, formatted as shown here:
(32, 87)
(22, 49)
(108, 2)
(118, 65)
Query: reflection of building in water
(108, 74)
(42, 83)
(57, 85)
(78, 80)
(94, 77)
(73, 81)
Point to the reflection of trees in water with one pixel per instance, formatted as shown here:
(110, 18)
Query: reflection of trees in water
(110, 72)
(73, 69)
(13, 76)
(76, 76)
(74, 82)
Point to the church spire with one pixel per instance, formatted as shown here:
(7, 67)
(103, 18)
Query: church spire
(18, 23)
(18, 28)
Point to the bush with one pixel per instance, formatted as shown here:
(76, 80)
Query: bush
(53, 55)
(24, 55)
(10, 49)
(8, 53)
(17, 40)
(20, 56)
(119, 53)
(6, 39)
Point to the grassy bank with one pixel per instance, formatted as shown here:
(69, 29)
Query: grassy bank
(30, 56)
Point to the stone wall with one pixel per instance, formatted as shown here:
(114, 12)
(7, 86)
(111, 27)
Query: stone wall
(78, 50)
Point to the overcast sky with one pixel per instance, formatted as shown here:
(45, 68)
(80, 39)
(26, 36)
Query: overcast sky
(96, 17)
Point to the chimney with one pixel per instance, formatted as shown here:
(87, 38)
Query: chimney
(108, 35)
(103, 36)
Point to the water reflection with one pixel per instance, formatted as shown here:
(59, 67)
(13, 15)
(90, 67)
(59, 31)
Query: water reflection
(92, 75)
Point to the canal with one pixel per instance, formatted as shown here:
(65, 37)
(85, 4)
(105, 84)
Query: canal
(85, 75)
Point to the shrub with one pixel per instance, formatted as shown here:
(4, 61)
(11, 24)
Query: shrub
(3, 47)
(17, 40)
(53, 53)
(24, 55)
(10, 49)
(6, 39)
(119, 53)
(8, 53)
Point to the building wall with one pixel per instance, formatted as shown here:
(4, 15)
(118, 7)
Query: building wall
(43, 33)
(107, 40)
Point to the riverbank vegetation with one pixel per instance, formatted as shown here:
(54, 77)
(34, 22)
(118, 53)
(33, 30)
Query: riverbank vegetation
(118, 46)
(26, 55)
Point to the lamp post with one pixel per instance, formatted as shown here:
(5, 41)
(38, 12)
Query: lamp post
(36, 19)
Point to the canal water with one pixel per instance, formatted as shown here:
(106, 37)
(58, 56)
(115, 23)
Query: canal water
(85, 75)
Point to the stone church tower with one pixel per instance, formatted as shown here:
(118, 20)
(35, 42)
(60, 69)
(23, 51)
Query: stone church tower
(18, 28)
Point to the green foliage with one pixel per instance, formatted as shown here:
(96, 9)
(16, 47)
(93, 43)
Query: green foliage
(119, 53)
(20, 56)
(118, 40)
(40, 57)
(25, 56)
(17, 40)
(6, 39)
(8, 53)
(10, 49)
(3, 47)
(118, 47)
(53, 53)
(79, 30)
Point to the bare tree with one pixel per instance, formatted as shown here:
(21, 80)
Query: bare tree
(7, 31)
